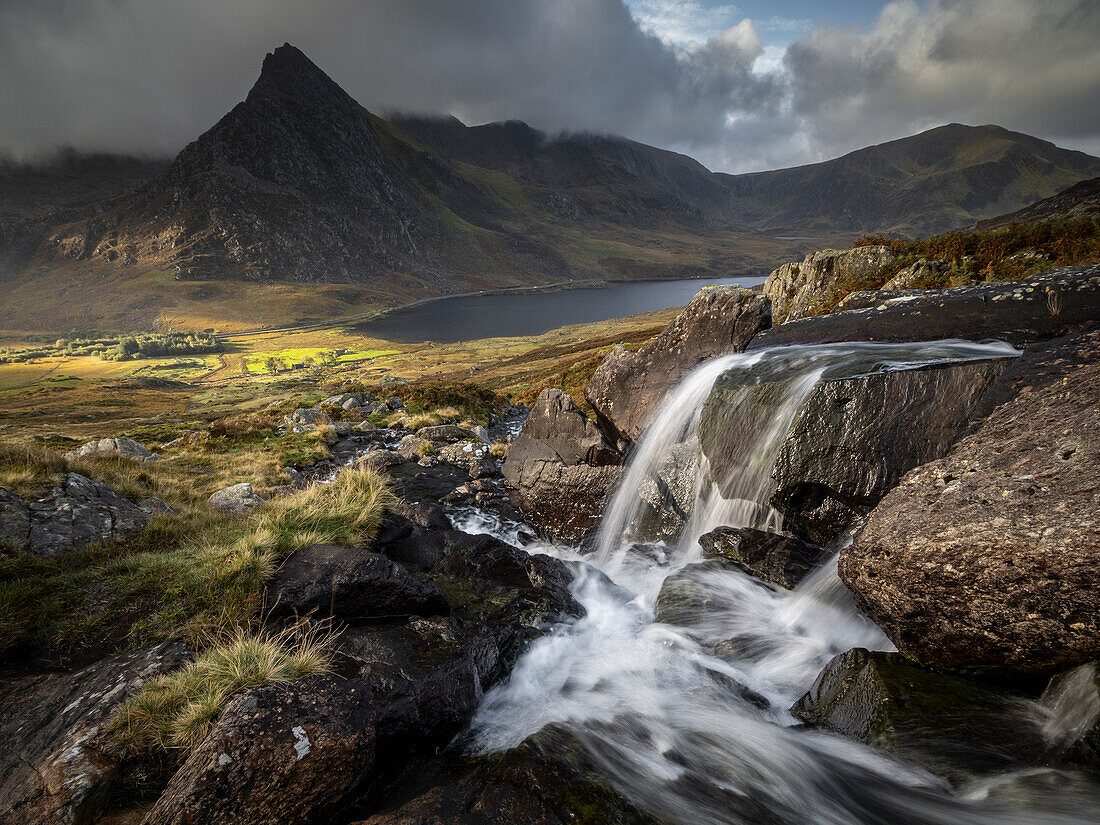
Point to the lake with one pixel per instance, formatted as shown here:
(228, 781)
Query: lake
(512, 315)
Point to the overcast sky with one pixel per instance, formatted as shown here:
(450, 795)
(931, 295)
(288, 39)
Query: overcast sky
(740, 86)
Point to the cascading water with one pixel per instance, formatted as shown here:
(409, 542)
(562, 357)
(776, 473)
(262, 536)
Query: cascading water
(684, 732)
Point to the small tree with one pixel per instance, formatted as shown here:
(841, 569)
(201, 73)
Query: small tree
(271, 365)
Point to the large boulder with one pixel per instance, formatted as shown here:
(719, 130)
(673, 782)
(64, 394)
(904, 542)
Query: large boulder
(1016, 311)
(850, 441)
(444, 434)
(237, 498)
(350, 583)
(78, 514)
(58, 764)
(286, 753)
(627, 386)
(988, 557)
(561, 468)
(122, 447)
(799, 287)
(954, 727)
(781, 560)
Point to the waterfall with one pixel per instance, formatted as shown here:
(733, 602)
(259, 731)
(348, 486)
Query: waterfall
(693, 724)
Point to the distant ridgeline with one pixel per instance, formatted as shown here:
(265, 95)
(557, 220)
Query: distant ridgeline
(120, 347)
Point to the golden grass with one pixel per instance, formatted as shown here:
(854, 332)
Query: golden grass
(176, 710)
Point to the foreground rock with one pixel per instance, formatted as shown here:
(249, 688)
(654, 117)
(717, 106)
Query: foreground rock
(79, 514)
(627, 386)
(561, 468)
(851, 440)
(781, 560)
(1019, 312)
(57, 764)
(281, 753)
(989, 557)
(122, 447)
(798, 288)
(955, 728)
(238, 498)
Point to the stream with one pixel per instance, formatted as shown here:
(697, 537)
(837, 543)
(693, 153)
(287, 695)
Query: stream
(687, 734)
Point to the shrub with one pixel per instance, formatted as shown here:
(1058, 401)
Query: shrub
(426, 448)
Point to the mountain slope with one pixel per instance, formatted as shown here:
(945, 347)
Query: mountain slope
(1082, 200)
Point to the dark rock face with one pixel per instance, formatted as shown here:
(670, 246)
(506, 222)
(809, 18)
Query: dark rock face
(561, 468)
(781, 560)
(988, 557)
(951, 726)
(351, 583)
(281, 753)
(669, 493)
(81, 513)
(57, 765)
(628, 385)
(549, 779)
(1015, 311)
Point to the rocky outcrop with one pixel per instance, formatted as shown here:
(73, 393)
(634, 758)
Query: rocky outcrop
(953, 727)
(919, 275)
(781, 560)
(627, 386)
(560, 468)
(237, 498)
(669, 493)
(988, 557)
(80, 513)
(444, 434)
(122, 447)
(1016, 311)
(303, 420)
(286, 753)
(349, 583)
(58, 765)
(797, 288)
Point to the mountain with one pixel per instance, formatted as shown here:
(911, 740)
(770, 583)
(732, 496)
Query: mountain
(300, 205)
(1082, 200)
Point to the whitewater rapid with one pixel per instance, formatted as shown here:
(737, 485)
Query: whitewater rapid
(697, 737)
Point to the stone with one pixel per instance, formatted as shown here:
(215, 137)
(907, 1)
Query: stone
(122, 447)
(15, 520)
(379, 461)
(409, 447)
(917, 276)
(669, 493)
(79, 514)
(349, 583)
(797, 288)
(238, 498)
(988, 557)
(466, 454)
(689, 595)
(781, 560)
(444, 434)
(155, 507)
(287, 753)
(1072, 713)
(627, 386)
(303, 420)
(395, 403)
(58, 765)
(561, 467)
(955, 728)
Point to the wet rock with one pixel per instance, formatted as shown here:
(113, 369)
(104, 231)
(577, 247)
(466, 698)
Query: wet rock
(122, 447)
(560, 468)
(1014, 311)
(851, 440)
(81, 513)
(349, 583)
(781, 560)
(466, 454)
(424, 514)
(669, 493)
(1072, 713)
(627, 386)
(691, 596)
(988, 557)
(238, 498)
(410, 446)
(286, 753)
(379, 461)
(953, 727)
(797, 288)
(58, 765)
(484, 468)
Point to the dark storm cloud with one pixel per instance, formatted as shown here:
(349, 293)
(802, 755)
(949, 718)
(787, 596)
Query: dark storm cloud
(149, 75)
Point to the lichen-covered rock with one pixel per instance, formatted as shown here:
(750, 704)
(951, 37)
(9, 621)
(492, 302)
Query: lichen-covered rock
(954, 727)
(349, 583)
(237, 498)
(466, 454)
(781, 560)
(561, 468)
(302, 420)
(798, 287)
(444, 434)
(988, 557)
(122, 447)
(57, 764)
(627, 386)
(81, 513)
(286, 753)
(919, 275)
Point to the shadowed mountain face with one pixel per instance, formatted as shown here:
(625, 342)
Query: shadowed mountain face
(1082, 200)
(299, 183)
